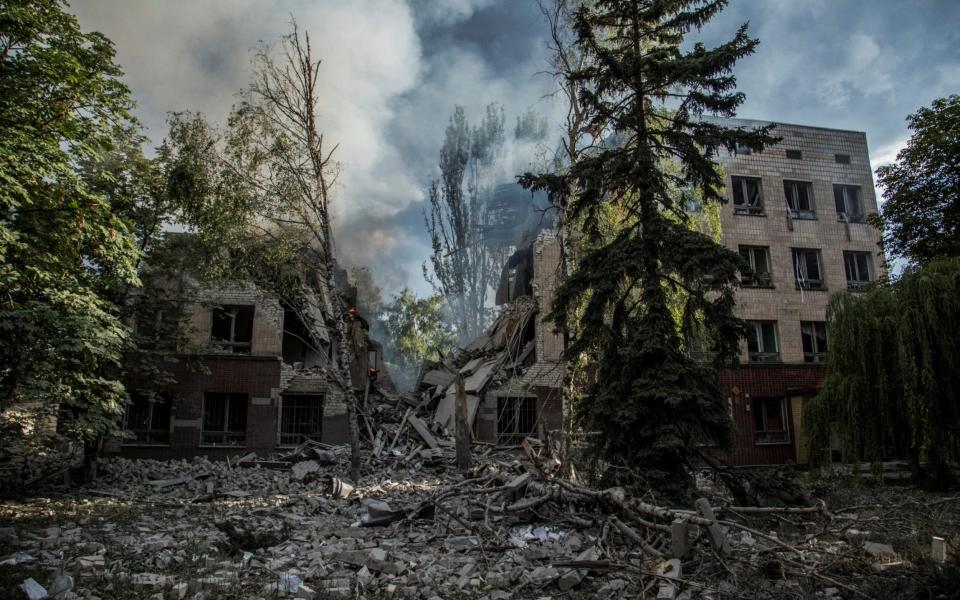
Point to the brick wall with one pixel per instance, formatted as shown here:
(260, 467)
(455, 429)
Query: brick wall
(546, 266)
(257, 377)
(767, 381)
(267, 317)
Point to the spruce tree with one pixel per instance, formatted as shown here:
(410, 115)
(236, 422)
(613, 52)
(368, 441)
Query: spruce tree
(652, 406)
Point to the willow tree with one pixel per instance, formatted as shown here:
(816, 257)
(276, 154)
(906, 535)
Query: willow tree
(650, 402)
(892, 389)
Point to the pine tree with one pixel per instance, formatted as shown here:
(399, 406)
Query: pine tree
(651, 403)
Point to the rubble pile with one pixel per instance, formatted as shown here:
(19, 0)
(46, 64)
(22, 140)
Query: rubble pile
(505, 350)
(510, 527)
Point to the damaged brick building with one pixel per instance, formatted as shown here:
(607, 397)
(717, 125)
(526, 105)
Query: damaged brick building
(797, 214)
(249, 377)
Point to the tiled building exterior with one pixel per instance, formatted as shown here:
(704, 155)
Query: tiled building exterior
(797, 213)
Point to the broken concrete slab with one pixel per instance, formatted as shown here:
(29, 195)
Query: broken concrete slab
(33, 590)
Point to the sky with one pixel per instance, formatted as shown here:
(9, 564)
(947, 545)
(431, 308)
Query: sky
(393, 70)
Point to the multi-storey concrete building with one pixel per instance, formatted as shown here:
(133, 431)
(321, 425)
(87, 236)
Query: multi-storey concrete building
(797, 214)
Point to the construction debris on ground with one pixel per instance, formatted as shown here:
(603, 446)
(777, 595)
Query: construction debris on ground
(413, 527)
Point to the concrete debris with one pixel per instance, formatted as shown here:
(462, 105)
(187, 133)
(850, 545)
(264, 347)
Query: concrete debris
(33, 590)
(508, 528)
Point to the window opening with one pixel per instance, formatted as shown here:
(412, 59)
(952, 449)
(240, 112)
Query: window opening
(747, 196)
(516, 419)
(858, 269)
(148, 418)
(224, 420)
(232, 328)
(758, 257)
(799, 199)
(301, 419)
(814, 337)
(762, 344)
(806, 269)
(770, 420)
(847, 200)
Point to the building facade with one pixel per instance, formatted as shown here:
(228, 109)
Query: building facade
(248, 379)
(797, 214)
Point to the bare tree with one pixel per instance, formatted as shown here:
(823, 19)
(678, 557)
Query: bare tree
(264, 188)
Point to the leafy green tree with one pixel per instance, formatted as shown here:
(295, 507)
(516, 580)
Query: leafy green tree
(416, 331)
(650, 401)
(64, 250)
(892, 388)
(922, 188)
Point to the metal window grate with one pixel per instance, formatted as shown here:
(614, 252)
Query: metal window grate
(301, 419)
(516, 419)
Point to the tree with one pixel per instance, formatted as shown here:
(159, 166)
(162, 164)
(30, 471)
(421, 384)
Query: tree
(259, 197)
(891, 388)
(922, 188)
(464, 264)
(416, 331)
(64, 250)
(650, 401)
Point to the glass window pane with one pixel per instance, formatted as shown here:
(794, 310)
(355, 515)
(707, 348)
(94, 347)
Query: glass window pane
(838, 199)
(769, 337)
(813, 265)
(806, 335)
(752, 338)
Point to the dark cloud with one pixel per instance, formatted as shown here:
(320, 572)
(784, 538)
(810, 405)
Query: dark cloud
(394, 69)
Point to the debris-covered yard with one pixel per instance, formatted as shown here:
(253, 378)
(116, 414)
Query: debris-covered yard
(418, 529)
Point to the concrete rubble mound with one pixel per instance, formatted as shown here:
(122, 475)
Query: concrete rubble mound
(511, 527)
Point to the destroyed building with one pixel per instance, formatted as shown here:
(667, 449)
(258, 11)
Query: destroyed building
(512, 374)
(250, 377)
(797, 214)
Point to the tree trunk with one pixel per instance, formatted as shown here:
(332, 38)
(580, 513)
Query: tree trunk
(349, 397)
(464, 460)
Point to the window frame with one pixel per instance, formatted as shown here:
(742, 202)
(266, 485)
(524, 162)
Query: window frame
(242, 347)
(858, 284)
(287, 402)
(744, 208)
(762, 354)
(793, 154)
(765, 280)
(161, 397)
(816, 354)
(800, 214)
(770, 437)
(845, 215)
(819, 284)
(224, 434)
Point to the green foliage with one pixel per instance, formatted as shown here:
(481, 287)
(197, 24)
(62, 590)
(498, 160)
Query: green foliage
(649, 400)
(416, 331)
(65, 248)
(891, 389)
(922, 188)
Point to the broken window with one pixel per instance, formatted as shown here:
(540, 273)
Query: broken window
(841, 159)
(232, 328)
(799, 199)
(516, 419)
(806, 269)
(847, 200)
(858, 268)
(742, 150)
(814, 337)
(148, 418)
(770, 421)
(224, 420)
(758, 257)
(762, 346)
(794, 155)
(747, 196)
(301, 419)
